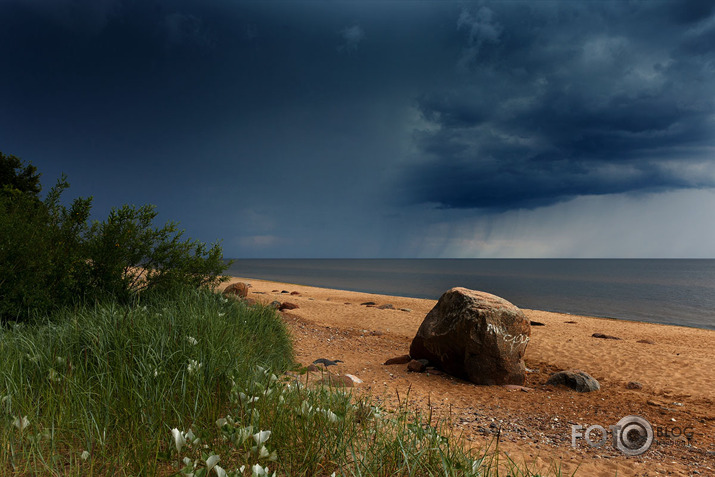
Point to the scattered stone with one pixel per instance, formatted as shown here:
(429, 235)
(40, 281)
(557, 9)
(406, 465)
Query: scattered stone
(355, 379)
(475, 336)
(646, 341)
(295, 293)
(369, 303)
(416, 366)
(605, 337)
(404, 359)
(287, 306)
(376, 333)
(275, 304)
(337, 381)
(634, 385)
(348, 303)
(388, 306)
(285, 291)
(406, 310)
(514, 387)
(327, 362)
(236, 290)
(274, 291)
(575, 379)
(570, 322)
(536, 323)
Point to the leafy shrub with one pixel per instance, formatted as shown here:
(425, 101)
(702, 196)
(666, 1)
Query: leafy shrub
(50, 256)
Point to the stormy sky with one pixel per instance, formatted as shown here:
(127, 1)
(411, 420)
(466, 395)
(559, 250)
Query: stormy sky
(377, 129)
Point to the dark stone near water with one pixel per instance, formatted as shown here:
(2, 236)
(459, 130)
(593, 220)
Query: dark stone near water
(604, 337)
(475, 336)
(369, 303)
(386, 307)
(575, 379)
(295, 293)
(404, 359)
(570, 322)
(536, 323)
(287, 306)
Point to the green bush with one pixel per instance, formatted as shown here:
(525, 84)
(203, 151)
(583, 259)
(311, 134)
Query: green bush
(51, 256)
(41, 252)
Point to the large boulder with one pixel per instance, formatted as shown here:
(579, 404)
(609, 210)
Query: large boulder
(475, 336)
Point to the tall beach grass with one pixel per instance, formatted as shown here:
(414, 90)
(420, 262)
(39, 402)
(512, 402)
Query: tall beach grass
(191, 383)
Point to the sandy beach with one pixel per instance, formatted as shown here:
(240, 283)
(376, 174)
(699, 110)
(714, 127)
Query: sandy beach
(674, 365)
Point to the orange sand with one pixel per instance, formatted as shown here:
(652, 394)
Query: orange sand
(676, 373)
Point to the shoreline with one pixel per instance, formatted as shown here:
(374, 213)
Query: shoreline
(676, 372)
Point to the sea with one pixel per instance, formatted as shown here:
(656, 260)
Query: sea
(667, 291)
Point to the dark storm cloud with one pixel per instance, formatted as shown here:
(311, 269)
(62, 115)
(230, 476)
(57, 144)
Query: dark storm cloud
(554, 101)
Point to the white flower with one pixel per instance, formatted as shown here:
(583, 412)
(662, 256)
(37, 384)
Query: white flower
(263, 452)
(331, 416)
(305, 408)
(85, 455)
(211, 462)
(220, 472)
(186, 461)
(258, 470)
(21, 424)
(192, 341)
(261, 437)
(243, 434)
(193, 366)
(53, 375)
(179, 439)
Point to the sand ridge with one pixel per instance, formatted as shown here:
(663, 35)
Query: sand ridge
(676, 370)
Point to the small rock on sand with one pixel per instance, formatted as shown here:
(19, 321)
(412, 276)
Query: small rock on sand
(634, 385)
(575, 379)
(287, 306)
(646, 341)
(404, 359)
(416, 366)
(368, 303)
(605, 337)
(387, 306)
(337, 381)
(516, 387)
(537, 323)
(236, 290)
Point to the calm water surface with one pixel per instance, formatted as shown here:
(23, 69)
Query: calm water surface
(674, 292)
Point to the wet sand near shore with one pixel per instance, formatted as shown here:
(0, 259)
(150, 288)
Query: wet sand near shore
(674, 365)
